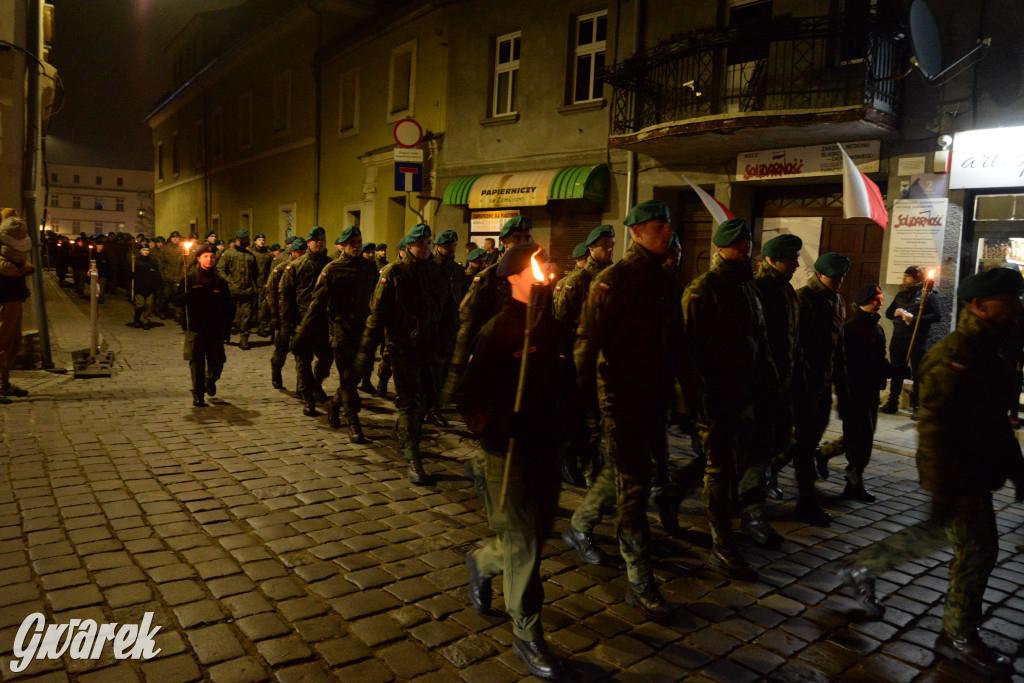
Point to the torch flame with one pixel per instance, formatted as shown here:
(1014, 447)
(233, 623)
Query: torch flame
(187, 246)
(538, 274)
(931, 274)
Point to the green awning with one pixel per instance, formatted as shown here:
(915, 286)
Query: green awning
(529, 188)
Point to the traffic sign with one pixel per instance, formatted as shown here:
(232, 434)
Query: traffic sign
(408, 133)
(408, 177)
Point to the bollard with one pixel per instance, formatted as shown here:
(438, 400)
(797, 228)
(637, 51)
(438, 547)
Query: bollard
(94, 311)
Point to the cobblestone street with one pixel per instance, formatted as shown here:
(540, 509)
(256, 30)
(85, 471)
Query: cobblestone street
(269, 548)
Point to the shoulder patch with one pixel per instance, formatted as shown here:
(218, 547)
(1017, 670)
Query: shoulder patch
(476, 279)
(323, 273)
(695, 296)
(959, 367)
(383, 279)
(568, 288)
(604, 286)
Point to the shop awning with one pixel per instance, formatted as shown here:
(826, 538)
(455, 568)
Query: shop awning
(529, 188)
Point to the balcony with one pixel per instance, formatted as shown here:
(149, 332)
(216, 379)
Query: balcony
(833, 78)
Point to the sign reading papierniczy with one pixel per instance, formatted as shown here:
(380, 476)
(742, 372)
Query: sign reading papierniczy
(799, 162)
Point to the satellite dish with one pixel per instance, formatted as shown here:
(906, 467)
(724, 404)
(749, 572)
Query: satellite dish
(926, 42)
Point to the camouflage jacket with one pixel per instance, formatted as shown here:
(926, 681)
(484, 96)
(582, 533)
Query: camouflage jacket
(966, 444)
(341, 300)
(414, 306)
(264, 261)
(572, 291)
(725, 345)
(483, 301)
(822, 356)
(627, 332)
(272, 290)
(295, 288)
(456, 275)
(781, 319)
(172, 263)
(239, 268)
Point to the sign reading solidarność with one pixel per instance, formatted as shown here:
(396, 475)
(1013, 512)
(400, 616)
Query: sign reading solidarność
(798, 162)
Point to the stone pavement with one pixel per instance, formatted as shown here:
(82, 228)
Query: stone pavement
(269, 548)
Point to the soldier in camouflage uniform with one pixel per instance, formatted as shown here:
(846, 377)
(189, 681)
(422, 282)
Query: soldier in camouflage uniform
(380, 255)
(572, 290)
(172, 269)
(731, 380)
(282, 332)
(414, 309)
(239, 268)
(476, 261)
(444, 256)
(628, 327)
(781, 318)
(967, 449)
(822, 314)
(264, 260)
(341, 301)
(295, 291)
(368, 253)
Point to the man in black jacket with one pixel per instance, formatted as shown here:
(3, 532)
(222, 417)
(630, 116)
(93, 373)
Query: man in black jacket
(903, 310)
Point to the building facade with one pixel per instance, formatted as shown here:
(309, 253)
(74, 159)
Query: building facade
(98, 200)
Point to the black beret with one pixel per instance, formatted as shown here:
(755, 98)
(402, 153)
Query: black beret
(515, 224)
(517, 259)
(580, 250)
(731, 231)
(381, 246)
(206, 249)
(647, 211)
(599, 232)
(369, 246)
(832, 264)
(995, 282)
(866, 293)
(783, 246)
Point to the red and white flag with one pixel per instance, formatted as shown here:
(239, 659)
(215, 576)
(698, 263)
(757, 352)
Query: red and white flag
(861, 197)
(719, 211)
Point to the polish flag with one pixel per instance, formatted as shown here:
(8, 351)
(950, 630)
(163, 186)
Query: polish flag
(719, 211)
(861, 197)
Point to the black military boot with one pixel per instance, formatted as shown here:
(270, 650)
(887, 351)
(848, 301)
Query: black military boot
(309, 401)
(366, 386)
(855, 487)
(584, 546)
(863, 587)
(757, 528)
(648, 599)
(211, 386)
(771, 483)
(197, 399)
(891, 407)
(973, 652)
(667, 499)
(318, 392)
(243, 342)
(479, 587)
(355, 431)
(538, 659)
(382, 387)
(808, 510)
(276, 380)
(435, 418)
(138, 317)
(728, 560)
(417, 475)
(333, 413)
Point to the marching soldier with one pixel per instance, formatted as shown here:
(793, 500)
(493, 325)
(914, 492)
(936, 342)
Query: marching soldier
(172, 269)
(341, 301)
(238, 266)
(822, 315)
(966, 450)
(282, 331)
(569, 296)
(622, 352)
(444, 256)
(295, 291)
(476, 261)
(730, 380)
(486, 397)
(414, 310)
(264, 260)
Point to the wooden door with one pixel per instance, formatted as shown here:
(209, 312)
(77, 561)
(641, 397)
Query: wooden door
(860, 240)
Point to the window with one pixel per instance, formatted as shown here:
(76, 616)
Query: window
(160, 161)
(175, 156)
(119, 204)
(402, 81)
(506, 74)
(98, 226)
(98, 203)
(348, 103)
(120, 182)
(591, 31)
(53, 177)
(76, 179)
(99, 180)
(76, 202)
(55, 201)
(245, 120)
(282, 102)
(76, 226)
(749, 17)
(216, 133)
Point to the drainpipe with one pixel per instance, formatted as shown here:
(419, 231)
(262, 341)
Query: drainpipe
(318, 115)
(30, 163)
(639, 17)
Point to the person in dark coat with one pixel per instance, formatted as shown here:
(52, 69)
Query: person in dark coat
(209, 312)
(145, 283)
(903, 312)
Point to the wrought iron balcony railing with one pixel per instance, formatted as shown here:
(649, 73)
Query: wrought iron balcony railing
(787, 66)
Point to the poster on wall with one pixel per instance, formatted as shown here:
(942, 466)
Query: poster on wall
(807, 228)
(488, 223)
(918, 230)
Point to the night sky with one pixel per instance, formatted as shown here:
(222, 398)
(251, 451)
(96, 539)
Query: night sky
(110, 57)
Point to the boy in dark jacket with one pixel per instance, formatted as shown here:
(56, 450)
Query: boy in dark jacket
(209, 312)
(145, 284)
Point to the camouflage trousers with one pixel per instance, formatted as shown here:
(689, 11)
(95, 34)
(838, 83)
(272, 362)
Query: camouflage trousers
(520, 530)
(413, 386)
(735, 467)
(347, 395)
(282, 339)
(245, 313)
(263, 316)
(312, 374)
(599, 501)
(968, 524)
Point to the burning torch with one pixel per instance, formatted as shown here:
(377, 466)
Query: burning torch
(184, 260)
(925, 291)
(533, 313)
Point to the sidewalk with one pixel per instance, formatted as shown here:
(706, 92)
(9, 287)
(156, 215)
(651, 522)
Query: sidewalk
(269, 548)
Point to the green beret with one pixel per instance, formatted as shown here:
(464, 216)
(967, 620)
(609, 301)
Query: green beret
(995, 282)
(518, 259)
(316, 233)
(369, 246)
(731, 231)
(218, 243)
(298, 244)
(647, 211)
(382, 247)
(580, 250)
(349, 232)
(259, 235)
(447, 237)
(174, 234)
(673, 241)
(515, 224)
(401, 244)
(417, 232)
(274, 247)
(832, 264)
(244, 232)
(476, 254)
(783, 246)
(159, 239)
(599, 232)
(208, 233)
